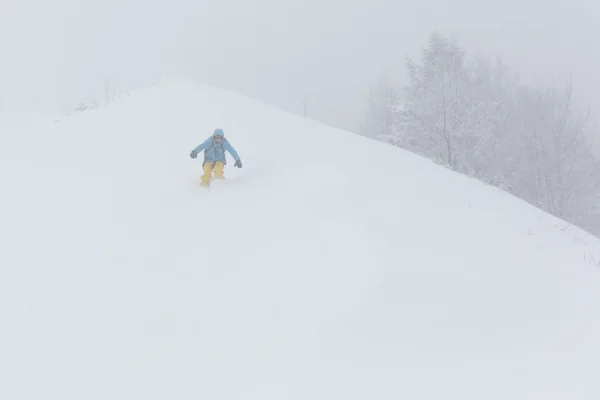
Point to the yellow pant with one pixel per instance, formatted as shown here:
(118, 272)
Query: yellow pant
(209, 168)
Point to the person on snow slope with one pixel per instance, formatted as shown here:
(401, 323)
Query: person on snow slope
(214, 156)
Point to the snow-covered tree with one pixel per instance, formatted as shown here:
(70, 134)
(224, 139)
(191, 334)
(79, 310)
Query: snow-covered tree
(442, 115)
(382, 100)
(558, 169)
(492, 155)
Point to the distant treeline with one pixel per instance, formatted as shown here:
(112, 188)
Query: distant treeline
(475, 117)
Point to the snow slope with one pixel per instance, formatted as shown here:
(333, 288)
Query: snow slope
(329, 267)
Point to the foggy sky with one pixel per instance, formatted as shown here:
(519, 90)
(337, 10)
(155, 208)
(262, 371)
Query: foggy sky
(56, 53)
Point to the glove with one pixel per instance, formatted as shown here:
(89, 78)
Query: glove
(193, 154)
(238, 164)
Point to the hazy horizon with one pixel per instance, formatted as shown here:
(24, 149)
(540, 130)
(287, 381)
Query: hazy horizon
(57, 54)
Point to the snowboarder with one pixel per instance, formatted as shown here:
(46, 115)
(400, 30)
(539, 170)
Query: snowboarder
(214, 156)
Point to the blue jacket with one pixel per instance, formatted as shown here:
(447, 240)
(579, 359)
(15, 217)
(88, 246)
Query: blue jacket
(214, 151)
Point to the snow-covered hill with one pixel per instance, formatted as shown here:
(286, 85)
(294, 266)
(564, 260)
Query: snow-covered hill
(329, 267)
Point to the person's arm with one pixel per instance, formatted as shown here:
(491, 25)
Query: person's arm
(199, 148)
(227, 146)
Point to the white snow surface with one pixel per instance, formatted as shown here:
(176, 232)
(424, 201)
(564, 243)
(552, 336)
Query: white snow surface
(329, 267)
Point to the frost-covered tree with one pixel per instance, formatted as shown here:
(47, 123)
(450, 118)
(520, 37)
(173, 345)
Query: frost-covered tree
(492, 155)
(382, 100)
(442, 115)
(559, 171)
